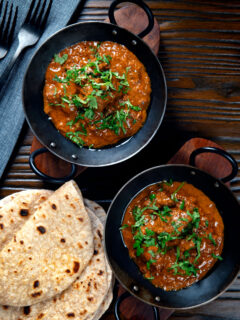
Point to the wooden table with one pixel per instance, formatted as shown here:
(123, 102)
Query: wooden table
(200, 54)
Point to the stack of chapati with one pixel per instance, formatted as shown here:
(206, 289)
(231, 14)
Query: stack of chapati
(52, 261)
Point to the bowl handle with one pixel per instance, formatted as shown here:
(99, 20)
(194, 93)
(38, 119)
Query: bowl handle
(43, 175)
(140, 4)
(222, 153)
(124, 296)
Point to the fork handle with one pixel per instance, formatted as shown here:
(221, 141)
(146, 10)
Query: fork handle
(4, 76)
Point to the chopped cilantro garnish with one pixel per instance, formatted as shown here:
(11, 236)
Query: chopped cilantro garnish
(129, 105)
(173, 195)
(74, 137)
(197, 241)
(72, 122)
(152, 196)
(124, 226)
(66, 100)
(210, 237)
(152, 253)
(149, 263)
(217, 257)
(176, 226)
(168, 182)
(185, 266)
(182, 205)
(59, 59)
(61, 80)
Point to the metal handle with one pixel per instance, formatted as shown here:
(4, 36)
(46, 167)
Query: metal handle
(43, 175)
(124, 296)
(222, 153)
(7, 70)
(140, 4)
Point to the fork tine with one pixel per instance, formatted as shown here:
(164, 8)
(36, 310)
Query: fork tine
(27, 19)
(11, 31)
(44, 20)
(1, 5)
(41, 13)
(3, 21)
(5, 32)
(35, 13)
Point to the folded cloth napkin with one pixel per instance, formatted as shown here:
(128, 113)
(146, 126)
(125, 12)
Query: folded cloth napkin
(11, 111)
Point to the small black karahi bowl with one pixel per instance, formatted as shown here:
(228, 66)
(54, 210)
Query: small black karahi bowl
(44, 129)
(218, 279)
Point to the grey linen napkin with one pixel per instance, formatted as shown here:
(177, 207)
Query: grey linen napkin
(11, 111)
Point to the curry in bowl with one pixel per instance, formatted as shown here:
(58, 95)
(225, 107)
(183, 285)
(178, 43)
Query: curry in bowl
(96, 93)
(174, 233)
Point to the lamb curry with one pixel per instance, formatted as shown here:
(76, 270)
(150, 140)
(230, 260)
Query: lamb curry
(96, 93)
(174, 233)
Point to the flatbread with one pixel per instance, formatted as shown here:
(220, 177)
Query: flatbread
(7, 199)
(97, 210)
(105, 304)
(49, 252)
(16, 209)
(81, 300)
(101, 214)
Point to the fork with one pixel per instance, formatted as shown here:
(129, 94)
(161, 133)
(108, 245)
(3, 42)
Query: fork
(7, 27)
(29, 33)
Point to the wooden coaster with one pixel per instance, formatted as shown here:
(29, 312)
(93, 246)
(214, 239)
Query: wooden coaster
(134, 19)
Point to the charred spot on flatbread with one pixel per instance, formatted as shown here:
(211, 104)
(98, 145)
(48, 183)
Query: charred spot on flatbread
(54, 206)
(71, 315)
(63, 240)
(36, 284)
(100, 272)
(26, 310)
(80, 219)
(95, 252)
(1, 226)
(76, 266)
(36, 294)
(99, 233)
(83, 312)
(68, 271)
(24, 212)
(41, 229)
(40, 316)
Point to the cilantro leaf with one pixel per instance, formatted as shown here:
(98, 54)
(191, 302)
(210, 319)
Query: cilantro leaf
(59, 59)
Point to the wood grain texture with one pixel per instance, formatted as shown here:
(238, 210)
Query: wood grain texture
(200, 54)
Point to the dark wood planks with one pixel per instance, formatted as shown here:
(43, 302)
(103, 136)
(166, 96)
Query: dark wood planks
(200, 54)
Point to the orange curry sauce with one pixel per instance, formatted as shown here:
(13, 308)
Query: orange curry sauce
(174, 233)
(96, 93)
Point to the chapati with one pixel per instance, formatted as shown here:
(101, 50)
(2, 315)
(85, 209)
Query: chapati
(16, 209)
(81, 300)
(49, 252)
